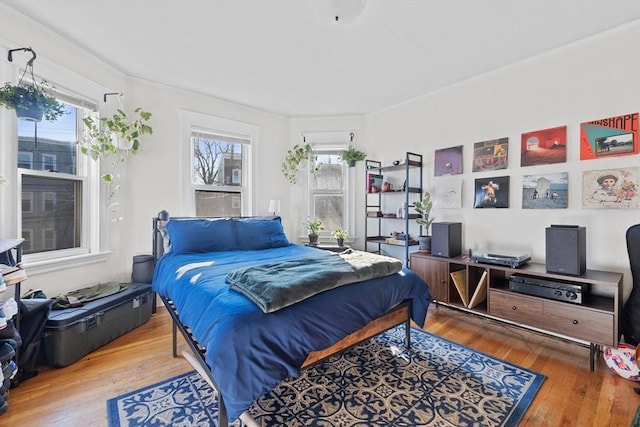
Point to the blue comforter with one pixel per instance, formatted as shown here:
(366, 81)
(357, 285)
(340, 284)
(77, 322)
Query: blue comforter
(250, 352)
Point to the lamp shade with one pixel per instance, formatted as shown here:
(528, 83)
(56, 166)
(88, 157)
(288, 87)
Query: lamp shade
(274, 206)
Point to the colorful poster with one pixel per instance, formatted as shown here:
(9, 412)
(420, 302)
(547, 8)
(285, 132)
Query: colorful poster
(544, 147)
(448, 161)
(610, 189)
(613, 136)
(490, 155)
(545, 191)
(491, 192)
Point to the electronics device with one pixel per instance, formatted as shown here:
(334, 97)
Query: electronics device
(546, 288)
(566, 249)
(446, 239)
(508, 258)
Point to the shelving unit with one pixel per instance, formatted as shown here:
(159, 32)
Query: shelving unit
(595, 321)
(382, 207)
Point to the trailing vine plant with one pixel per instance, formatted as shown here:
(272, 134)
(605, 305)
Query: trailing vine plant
(294, 158)
(114, 137)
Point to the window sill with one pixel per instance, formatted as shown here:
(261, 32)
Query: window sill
(36, 268)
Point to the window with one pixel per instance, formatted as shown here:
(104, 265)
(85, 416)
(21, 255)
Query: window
(327, 190)
(217, 173)
(220, 165)
(27, 202)
(49, 162)
(53, 181)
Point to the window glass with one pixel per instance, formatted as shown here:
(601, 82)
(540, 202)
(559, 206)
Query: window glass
(218, 171)
(328, 190)
(52, 190)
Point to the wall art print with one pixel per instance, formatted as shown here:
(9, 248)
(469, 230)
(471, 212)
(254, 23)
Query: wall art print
(613, 136)
(544, 147)
(491, 192)
(447, 193)
(490, 155)
(610, 189)
(545, 191)
(448, 161)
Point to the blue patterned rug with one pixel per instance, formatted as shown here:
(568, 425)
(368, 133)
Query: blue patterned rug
(376, 383)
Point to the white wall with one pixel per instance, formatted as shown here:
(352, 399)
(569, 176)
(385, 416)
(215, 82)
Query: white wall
(592, 79)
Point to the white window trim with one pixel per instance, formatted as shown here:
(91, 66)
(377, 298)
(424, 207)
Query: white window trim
(83, 88)
(335, 140)
(216, 125)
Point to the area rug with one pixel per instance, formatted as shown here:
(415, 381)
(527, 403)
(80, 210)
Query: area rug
(376, 383)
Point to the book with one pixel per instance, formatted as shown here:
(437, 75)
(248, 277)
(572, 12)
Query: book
(460, 281)
(480, 293)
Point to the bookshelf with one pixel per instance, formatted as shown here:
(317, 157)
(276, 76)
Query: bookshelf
(387, 210)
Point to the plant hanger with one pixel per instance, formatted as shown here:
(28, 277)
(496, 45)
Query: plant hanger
(30, 100)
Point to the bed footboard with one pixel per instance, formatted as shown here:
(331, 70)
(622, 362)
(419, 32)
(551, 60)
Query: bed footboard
(398, 315)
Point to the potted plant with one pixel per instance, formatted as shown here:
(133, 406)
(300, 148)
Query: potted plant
(31, 101)
(116, 135)
(423, 208)
(340, 236)
(313, 228)
(292, 161)
(351, 156)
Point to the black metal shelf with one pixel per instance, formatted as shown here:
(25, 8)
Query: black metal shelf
(375, 239)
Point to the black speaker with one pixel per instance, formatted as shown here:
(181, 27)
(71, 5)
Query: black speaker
(566, 249)
(446, 239)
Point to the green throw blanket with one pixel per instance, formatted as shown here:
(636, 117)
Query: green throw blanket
(273, 286)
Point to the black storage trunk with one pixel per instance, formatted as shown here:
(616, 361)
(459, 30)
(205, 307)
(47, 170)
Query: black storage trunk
(72, 333)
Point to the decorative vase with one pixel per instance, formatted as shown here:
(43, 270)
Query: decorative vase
(340, 242)
(351, 163)
(425, 244)
(313, 239)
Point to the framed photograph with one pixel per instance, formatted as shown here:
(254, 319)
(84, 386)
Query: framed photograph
(490, 155)
(448, 161)
(545, 191)
(610, 189)
(613, 136)
(544, 147)
(491, 192)
(447, 193)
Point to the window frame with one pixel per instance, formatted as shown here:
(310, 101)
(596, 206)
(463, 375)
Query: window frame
(204, 123)
(330, 141)
(68, 86)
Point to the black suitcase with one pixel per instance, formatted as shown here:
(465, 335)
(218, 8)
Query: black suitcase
(72, 333)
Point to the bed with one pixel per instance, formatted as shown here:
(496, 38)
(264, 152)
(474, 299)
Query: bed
(242, 350)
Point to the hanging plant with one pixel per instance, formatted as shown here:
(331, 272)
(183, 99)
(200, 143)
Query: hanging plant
(30, 100)
(292, 161)
(350, 156)
(116, 135)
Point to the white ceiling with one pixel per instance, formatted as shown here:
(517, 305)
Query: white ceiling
(282, 56)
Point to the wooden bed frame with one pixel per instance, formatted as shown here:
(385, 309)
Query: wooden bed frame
(400, 314)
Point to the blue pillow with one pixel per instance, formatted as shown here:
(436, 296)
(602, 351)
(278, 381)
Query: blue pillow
(201, 235)
(255, 234)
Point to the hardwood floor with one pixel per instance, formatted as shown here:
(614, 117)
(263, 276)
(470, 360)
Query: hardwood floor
(570, 396)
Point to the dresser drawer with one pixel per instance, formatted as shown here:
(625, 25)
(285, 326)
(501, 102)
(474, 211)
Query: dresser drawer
(578, 322)
(516, 308)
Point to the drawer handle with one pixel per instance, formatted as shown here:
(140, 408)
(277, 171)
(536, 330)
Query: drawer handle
(514, 308)
(575, 322)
